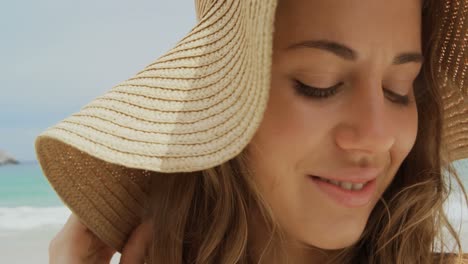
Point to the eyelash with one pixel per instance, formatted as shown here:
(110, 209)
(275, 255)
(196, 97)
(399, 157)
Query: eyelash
(323, 93)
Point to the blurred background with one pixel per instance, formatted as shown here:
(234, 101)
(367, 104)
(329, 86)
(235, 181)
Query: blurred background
(55, 57)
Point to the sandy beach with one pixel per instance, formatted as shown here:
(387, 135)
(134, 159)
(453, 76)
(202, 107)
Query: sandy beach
(30, 246)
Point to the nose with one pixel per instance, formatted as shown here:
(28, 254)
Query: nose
(366, 126)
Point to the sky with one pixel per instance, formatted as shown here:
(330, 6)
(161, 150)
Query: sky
(57, 55)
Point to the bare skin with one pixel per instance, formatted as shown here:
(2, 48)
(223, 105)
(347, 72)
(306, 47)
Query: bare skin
(76, 244)
(361, 125)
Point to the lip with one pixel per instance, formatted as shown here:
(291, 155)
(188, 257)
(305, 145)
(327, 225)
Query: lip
(346, 198)
(353, 175)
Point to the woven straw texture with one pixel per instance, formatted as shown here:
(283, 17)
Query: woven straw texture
(195, 107)
(453, 73)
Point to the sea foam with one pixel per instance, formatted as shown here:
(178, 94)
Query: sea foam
(25, 217)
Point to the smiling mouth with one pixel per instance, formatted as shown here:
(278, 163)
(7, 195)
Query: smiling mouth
(356, 196)
(343, 184)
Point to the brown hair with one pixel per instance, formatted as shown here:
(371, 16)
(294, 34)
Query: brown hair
(203, 217)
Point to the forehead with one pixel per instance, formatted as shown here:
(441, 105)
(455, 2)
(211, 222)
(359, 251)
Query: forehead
(361, 24)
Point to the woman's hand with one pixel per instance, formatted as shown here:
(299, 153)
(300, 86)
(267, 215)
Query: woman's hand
(76, 244)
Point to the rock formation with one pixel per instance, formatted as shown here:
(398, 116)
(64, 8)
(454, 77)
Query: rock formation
(6, 159)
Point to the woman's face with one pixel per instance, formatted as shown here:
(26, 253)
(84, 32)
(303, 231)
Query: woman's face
(369, 49)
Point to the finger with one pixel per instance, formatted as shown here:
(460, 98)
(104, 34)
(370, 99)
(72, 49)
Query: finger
(136, 247)
(73, 220)
(100, 250)
(91, 245)
(75, 226)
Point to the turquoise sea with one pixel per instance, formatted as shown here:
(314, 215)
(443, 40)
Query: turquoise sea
(24, 185)
(27, 200)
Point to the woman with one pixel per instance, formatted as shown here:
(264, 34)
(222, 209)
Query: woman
(345, 165)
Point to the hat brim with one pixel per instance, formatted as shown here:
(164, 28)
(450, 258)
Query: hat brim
(195, 107)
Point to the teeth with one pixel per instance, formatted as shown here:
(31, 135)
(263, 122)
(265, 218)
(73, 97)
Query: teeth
(358, 186)
(334, 182)
(346, 185)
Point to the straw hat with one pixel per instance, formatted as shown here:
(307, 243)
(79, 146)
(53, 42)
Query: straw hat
(195, 107)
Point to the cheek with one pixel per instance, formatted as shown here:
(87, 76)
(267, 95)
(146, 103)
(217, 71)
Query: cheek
(280, 142)
(406, 130)
(288, 129)
(289, 132)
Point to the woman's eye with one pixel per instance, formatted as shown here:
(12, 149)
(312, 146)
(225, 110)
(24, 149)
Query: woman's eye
(315, 92)
(397, 98)
(322, 93)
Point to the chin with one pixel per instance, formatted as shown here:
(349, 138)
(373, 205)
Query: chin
(332, 241)
(335, 245)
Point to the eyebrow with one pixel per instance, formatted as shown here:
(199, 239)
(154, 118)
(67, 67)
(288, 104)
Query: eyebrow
(347, 53)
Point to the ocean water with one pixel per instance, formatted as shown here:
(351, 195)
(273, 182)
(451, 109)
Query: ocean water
(28, 201)
(24, 185)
